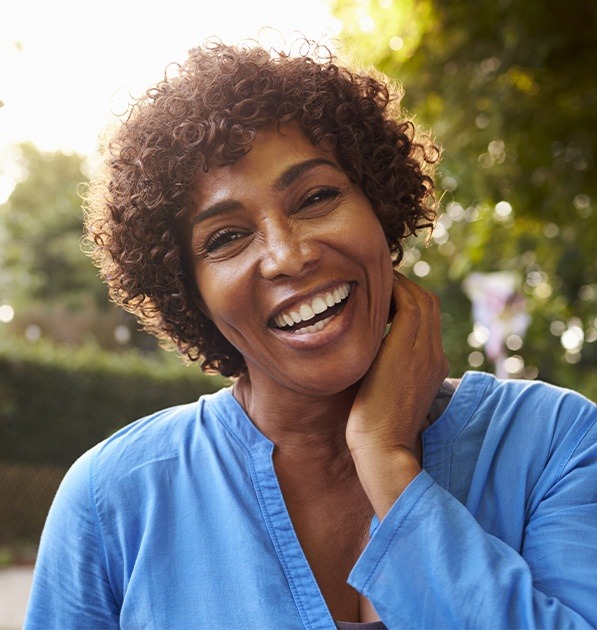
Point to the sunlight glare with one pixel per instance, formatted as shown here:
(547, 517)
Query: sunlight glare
(69, 68)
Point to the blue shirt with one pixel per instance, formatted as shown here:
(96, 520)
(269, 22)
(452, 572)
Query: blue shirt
(178, 521)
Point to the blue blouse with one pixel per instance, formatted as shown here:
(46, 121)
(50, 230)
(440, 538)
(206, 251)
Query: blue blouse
(178, 521)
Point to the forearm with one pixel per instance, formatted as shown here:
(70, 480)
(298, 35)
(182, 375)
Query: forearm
(430, 564)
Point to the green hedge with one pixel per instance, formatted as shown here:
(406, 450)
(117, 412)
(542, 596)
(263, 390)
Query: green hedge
(56, 402)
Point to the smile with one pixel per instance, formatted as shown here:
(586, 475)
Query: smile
(312, 315)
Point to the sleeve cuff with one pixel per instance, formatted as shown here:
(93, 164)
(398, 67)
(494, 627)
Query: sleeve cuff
(381, 541)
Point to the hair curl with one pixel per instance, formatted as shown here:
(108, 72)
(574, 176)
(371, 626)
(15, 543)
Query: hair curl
(206, 114)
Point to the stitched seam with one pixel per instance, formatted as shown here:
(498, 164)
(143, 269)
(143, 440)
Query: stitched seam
(97, 527)
(464, 423)
(267, 519)
(573, 449)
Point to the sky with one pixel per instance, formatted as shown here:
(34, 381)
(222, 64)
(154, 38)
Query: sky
(68, 66)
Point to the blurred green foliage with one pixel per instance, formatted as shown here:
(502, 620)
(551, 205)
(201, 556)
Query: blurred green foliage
(508, 88)
(58, 401)
(56, 293)
(40, 232)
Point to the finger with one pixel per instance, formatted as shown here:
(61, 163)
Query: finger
(429, 333)
(414, 299)
(416, 290)
(405, 321)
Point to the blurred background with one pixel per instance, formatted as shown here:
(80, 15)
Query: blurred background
(508, 88)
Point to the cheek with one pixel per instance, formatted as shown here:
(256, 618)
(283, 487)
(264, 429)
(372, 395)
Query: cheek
(379, 252)
(364, 240)
(204, 291)
(213, 290)
(226, 297)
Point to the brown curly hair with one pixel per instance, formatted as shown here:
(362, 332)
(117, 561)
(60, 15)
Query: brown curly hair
(206, 114)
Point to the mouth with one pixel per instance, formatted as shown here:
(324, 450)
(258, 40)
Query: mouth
(313, 314)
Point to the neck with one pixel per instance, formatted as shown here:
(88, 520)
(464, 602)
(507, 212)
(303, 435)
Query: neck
(303, 427)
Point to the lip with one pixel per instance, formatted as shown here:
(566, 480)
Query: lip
(330, 334)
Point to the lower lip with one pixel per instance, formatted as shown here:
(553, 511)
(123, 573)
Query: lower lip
(331, 333)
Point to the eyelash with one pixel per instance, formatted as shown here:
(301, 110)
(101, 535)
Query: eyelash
(322, 194)
(221, 238)
(228, 235)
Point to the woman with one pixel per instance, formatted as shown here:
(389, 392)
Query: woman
(252, 211)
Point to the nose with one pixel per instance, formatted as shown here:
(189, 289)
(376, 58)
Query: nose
(287, 251)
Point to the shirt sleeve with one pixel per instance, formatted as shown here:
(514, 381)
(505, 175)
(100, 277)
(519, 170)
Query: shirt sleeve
(431, 565)
(70, 585)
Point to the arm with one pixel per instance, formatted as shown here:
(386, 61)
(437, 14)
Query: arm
(430, 563)
(393, 401)
(70, 586)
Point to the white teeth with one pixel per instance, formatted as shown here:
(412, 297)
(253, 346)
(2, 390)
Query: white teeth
(313, 328)
(306, 311)
(318, 305)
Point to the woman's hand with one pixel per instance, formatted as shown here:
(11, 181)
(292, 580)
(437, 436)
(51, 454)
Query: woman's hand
(391, 406)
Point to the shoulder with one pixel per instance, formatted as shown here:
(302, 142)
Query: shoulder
(536, 398)
(529, 415)
(165, 432)
(511, 438)
(533, 415)
(164, 435)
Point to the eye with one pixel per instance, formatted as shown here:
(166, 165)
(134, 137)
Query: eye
(323, 194)
(221, 238)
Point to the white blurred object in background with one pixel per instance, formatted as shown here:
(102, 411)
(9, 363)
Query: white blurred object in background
(499, 314)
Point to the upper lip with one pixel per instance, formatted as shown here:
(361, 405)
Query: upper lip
(307, 296)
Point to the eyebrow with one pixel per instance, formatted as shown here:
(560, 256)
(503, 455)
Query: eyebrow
(292, 173)
(221, 207)
(286, 179)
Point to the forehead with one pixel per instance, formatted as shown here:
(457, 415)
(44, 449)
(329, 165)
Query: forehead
(272, 152)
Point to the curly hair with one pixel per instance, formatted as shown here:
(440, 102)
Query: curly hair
(206, 114)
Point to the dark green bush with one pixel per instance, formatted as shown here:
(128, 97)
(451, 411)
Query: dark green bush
(56, 402)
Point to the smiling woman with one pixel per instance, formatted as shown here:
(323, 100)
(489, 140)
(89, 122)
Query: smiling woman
(207, 116)
(274, 234)
(252, 211)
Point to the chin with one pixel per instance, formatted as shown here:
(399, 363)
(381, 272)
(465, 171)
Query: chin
(341, 376)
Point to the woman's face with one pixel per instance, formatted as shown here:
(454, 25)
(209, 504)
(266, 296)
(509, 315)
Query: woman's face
(292, 264)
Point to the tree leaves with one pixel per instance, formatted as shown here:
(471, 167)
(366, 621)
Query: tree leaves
(508, 86)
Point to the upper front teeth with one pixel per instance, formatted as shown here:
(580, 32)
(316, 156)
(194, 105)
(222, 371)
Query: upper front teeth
(306, 311)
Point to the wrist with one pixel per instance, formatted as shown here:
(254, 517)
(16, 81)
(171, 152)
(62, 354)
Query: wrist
(385, 474)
